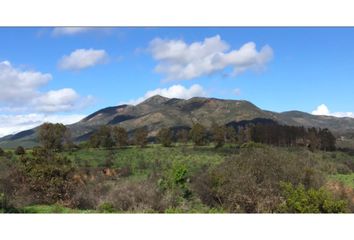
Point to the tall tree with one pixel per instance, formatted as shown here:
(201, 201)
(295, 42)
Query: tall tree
(120, 136)
(52, 136)
(328, 141)
(183, 136)
(140, 137)
(218, 134)
(102, 138)
(198, 134)
(164, 136)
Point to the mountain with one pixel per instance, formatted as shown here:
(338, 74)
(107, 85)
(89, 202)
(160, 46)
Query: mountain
(157, 112)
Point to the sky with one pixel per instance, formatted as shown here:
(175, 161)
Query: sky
(64, 74)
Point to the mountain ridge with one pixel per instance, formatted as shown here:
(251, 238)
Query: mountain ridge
(157, 112)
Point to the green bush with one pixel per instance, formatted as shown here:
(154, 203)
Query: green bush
(301, 200)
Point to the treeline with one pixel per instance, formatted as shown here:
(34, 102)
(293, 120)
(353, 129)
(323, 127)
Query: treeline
(58, 137)
(271, 134)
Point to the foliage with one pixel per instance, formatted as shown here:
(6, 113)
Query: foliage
(198, 134)
(47, 176)
(120, 136)
(20, 151)
(52, 136)
(219, 135)
(2, 152)
(301, 200)
(164, 136)
(140, 137)
(102, 138)
(250, 182)
(183, 136)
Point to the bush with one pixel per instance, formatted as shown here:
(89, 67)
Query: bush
(20, 151)
(2, 153)
(300, 200)
(250, 182)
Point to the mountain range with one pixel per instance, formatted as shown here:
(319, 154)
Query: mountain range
(157, 112)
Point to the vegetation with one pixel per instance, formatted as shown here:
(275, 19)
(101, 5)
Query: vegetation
(198, 134)
(165, 137)
(140, 137)
(247, 169)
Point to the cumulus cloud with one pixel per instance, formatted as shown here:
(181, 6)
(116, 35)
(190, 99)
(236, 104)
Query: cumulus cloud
(18, 85)
(323, 110)
(19, 92)
(60, 31)
(82, 58)
(11, 124)
(178, 60)
(175, 91)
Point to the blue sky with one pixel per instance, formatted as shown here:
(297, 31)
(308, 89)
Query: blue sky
(50, 74)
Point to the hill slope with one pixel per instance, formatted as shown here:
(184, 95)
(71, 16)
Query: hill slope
(157, 112)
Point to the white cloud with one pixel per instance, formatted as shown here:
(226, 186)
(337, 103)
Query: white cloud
(175, 91)
(18, 85)
(323, 110)
(11, 124)
(19, 92)
(82, 58)
(59, 31)
(178, 60)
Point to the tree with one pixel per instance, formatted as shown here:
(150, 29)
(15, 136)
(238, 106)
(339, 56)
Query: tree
(314, 141)
(198, 134)
(183, 136)
(218, 134)
(102, 138)
(2, 153)
(20, 151)
(120, 136)
(231, 135)
(52, 136)
(164, 136)
(140, 137)
(327, 140)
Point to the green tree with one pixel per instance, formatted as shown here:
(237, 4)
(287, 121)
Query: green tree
(20, 151)
(120, 136)
(198, 134)
(218, 134)
(140, 137)
(2, 153)
(164, 137)
(183, 136)
(327, 140)
(102, 138)
(52, 136)
(231, 135)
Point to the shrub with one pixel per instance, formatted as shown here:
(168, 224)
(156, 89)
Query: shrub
(2, 153)
(300, 200)
(250, 182)
(20, 151)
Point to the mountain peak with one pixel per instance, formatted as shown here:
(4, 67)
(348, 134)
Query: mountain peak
(156, 99)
